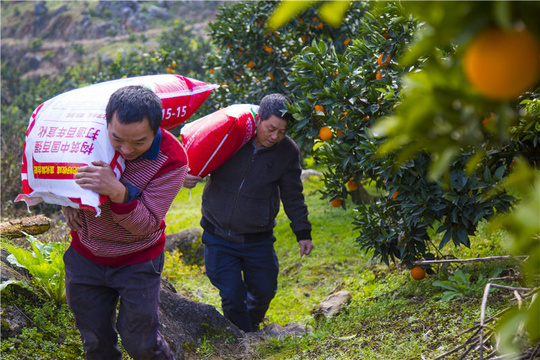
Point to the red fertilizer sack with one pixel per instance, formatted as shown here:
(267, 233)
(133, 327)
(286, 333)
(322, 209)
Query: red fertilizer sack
(213, 139)
(70, 130)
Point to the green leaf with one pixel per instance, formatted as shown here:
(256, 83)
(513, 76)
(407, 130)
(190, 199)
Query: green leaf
(4, 284)
(333, 12)
(286, 11)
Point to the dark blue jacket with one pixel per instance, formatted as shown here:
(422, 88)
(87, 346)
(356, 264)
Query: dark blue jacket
(242, 197)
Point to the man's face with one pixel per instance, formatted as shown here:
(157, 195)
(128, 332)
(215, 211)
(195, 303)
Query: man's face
(130, 140)
(270, 131)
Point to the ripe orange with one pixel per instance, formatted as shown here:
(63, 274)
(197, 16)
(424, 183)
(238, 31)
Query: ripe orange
(339, 132)
(352, 184)
(385, 33)
(320, 25)
(336, 202)
(346, 41)
(268, 49)
(325, 133)
(502, 64)
(417, 273)
(169, 70)
(271, 76)
(366, 118)
(395, 194)
(211, 71)
(250, 65)
(304, 38)
(319, 108)
(379, 75)
(173, 64)
(385, 62)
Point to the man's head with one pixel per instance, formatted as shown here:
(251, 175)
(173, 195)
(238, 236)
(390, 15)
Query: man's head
(275, 104)
(133, 119)
(273, 120)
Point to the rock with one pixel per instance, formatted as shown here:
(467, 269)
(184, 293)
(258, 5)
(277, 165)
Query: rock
(185, 323)
(290, 329)
(11, 271)
(158, 13)
(63, 8)
(332, 305)
(306, 174)
(189, 243)
(13, 321)
(40, 8)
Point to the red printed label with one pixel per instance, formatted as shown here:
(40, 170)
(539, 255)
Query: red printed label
(53, 170)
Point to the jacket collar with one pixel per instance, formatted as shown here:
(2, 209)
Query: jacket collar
(153, 152)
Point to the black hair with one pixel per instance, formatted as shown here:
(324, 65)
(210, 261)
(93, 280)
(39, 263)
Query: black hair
(275, 104)
(134, 103)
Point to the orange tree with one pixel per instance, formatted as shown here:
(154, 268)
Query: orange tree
(337, 81)
(251, 60)
(471, 112)
(356, 89)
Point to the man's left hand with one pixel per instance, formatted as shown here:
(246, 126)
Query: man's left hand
(305, 247)
(101, 179)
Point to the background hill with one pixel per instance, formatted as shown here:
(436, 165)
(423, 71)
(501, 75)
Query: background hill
(44, 37)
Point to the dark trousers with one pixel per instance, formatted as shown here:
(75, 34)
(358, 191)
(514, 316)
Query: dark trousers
(246, 276)
(93, 292)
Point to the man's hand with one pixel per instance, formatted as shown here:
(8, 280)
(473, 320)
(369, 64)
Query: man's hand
(305, 247)
(73, 219)
(191, 181)
(101, 179)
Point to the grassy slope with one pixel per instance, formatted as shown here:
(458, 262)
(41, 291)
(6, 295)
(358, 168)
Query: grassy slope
(391, 316)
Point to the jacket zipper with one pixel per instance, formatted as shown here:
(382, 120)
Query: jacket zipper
(238, 192)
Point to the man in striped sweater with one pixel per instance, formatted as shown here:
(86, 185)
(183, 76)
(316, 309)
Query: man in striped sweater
(119, 255)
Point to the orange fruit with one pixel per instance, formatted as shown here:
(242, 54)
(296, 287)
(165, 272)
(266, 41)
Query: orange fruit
(346, 41)
(417, 273)
(304, 38)
(502, 64)
(271, 76)
(385, 62)
(169, 70)
(250, 65)
(352, 184)
(325, 133)
(366, 118)
(211, 71)
(339, 132)
(268, 49)
(173, 64)
(319, 108)
(385, 34)
(319, 25)
(336, 202)
(395, 194)
(379, 75)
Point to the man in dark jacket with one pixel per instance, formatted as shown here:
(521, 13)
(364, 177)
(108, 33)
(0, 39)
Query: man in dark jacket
(239, 207)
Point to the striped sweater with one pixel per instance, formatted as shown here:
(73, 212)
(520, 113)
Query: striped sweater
(134, 232)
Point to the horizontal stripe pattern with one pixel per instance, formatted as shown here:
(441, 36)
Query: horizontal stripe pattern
(124, 229)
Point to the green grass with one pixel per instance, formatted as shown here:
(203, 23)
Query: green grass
(390, 315)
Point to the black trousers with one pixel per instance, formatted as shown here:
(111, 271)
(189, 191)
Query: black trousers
(93, 292)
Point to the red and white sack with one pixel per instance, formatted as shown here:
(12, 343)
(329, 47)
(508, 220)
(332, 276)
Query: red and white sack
(70, 131)
(211, 140)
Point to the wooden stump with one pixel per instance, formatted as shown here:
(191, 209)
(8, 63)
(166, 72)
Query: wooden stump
(33, 225)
